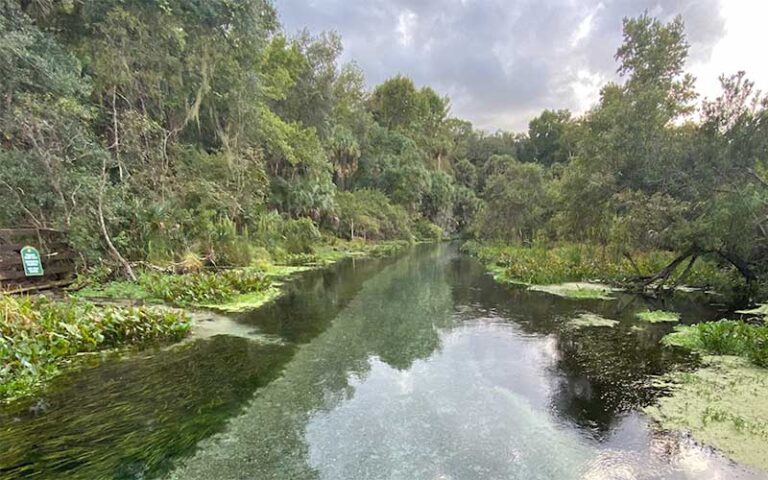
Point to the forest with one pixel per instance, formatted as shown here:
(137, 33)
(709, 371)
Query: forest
(151, 131)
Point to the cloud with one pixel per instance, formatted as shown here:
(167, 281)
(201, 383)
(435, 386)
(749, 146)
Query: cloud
(500, 61)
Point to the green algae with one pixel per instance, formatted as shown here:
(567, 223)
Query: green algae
(658, 316)
(247, 301)
(577, 290)
(683, 336)
(586, 320)
(723, 405)
(761, 310)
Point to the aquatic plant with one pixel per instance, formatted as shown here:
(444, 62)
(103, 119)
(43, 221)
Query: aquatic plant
(576, 290)
(658, 316)
(591, 320)
(36, 334)
(722, 405)
(203, 287)
(724, 337)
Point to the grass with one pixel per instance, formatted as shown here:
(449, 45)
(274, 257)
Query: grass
(658, 316)
(37, 335)
(546, 265)
(725, 337)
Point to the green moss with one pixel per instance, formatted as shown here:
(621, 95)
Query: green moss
(591, 320)
(658, 316)
(576, 290)
(723, 405)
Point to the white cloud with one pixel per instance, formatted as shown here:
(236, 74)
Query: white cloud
(406, 24)
(503, 61)
(741, 48)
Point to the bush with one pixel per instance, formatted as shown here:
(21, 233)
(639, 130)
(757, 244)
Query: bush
(423, 229)
(36, 333)
(300, 235)
(370, 215)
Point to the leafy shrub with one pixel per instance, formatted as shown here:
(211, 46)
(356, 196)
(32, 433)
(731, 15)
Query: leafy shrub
(36, 333)
(423, 229)
(299, 235)
(369, 214)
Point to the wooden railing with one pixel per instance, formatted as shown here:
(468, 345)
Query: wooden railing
(57, 257)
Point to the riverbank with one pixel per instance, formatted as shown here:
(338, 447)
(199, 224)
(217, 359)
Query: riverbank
(42, 335)
(234, 289)
(550, 267)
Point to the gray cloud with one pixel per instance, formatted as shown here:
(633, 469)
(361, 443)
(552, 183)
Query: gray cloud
(500, 61)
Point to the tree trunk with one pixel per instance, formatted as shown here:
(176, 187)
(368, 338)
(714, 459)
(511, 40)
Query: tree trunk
(664, 274)
(103, 224)
(741, 265)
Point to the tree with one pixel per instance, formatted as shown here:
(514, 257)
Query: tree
(548, 138)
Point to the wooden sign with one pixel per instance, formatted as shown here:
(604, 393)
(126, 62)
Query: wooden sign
(30, 258)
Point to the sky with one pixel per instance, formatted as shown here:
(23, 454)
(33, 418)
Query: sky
(502, 62)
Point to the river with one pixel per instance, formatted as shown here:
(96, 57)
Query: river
(406, 368)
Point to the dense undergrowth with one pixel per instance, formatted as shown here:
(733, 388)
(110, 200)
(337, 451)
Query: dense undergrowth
(544, 265)
(210, 287)
(38, 335)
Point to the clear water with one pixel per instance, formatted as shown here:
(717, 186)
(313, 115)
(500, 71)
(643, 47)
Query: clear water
(419, 367)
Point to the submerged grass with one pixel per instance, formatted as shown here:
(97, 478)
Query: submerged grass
(724, 404)
(37, 335)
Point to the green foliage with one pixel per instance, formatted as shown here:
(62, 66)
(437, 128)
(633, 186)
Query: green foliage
(516, 201)
(169, 129)
(725, 337)
(37, 334)
(545, 265)
(203, 288)
(423, 229)
(369, 214)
